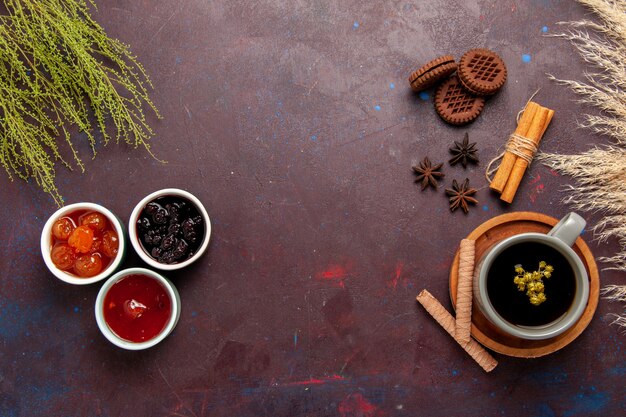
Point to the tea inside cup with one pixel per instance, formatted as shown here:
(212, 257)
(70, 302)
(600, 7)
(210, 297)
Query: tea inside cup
(508, 303)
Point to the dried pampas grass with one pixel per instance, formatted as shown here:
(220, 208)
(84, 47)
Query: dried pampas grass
(600, 173)
(616, 293)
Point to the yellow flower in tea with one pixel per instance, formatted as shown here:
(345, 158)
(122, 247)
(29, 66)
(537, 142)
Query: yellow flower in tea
(547, 272)
(532, 282)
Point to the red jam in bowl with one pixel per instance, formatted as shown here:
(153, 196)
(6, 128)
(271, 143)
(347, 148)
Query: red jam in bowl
(137, 308)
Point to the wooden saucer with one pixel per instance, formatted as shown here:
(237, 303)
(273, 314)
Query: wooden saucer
(488, 234)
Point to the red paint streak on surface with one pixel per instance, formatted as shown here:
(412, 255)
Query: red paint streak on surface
(554, 173)
(355, 405)
(535, 191)
(335, 274)
(535, 180)
(316, 381)
(534, 194)
(393, 283)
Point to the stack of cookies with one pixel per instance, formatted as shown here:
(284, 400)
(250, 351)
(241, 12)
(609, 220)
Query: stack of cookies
(463, 87)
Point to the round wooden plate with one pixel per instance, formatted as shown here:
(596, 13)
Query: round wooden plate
(488, 234)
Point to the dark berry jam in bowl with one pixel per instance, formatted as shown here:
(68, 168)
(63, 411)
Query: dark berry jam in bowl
(169, 229)
(83, 243)
(137, 308)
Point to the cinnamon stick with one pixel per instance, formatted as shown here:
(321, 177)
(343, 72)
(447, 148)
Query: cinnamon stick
(535, 133)
(445, 319)
(508, 160)
(464, 291)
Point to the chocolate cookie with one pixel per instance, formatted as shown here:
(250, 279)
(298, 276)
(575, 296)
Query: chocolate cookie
(482, 71)
(455, 105)
(433, 72)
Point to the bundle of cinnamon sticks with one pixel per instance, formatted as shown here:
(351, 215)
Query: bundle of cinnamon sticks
(520, 150)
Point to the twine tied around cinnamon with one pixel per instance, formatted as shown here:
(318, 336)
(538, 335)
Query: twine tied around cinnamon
(520, 149)
(517, 144)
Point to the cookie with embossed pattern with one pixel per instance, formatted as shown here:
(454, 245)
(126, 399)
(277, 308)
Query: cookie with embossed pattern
(455, 105)
(482, 72)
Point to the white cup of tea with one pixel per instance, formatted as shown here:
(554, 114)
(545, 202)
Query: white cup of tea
(513, 307)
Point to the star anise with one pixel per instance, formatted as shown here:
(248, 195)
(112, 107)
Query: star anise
(427, 174)
(464, 152)
(461, 195)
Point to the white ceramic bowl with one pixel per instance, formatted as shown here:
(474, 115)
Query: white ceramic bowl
(169, 327)
(46, 244)
(134, 238)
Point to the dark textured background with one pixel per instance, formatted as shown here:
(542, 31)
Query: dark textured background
(294, 124)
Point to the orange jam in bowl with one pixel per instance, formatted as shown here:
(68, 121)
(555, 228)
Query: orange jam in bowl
(82, 243)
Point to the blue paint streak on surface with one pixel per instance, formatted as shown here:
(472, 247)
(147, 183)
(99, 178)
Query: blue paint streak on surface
(455, 372)
(16, 319)
(13, 412)
(584, 404)
(544, 410)
(526, 58)
(485, 208)
(76, 309)
(377, 108)
(42, 397)
(544, 29)
(392, 86)
(617, 371)
(313, 137)
(10, 325)
(549, 377)
(194, 313)
(424, 95)
(295, 339)
(355, 25)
